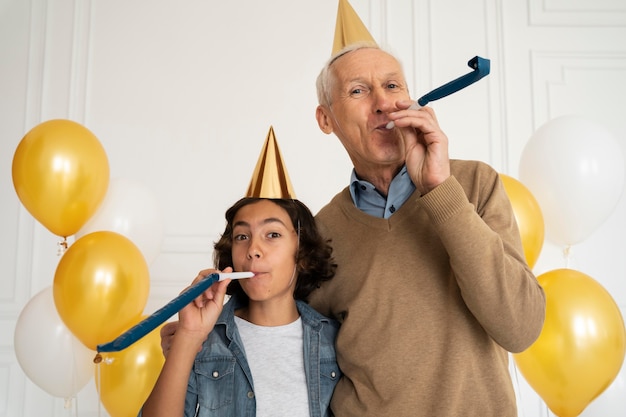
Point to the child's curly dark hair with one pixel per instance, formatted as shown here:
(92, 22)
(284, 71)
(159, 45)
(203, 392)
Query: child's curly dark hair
(314, 260)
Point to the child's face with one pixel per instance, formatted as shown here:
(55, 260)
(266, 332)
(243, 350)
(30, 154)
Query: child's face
(265, 242)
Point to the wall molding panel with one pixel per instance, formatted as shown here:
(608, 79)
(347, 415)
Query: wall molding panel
(598, 74)
(582, 13)
(181, 97)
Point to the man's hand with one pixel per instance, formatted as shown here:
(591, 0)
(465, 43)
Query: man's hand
(426, 146)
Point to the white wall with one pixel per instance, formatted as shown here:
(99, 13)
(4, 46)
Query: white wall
(182, 94)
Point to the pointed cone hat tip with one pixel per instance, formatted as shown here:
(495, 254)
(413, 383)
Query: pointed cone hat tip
(270, 178)
(349, 28)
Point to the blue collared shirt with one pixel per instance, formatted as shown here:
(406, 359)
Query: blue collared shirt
(367, 199)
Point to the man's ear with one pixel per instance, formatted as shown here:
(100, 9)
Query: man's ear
(323, 119)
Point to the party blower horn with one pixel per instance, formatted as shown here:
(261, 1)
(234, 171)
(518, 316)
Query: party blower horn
(154, 320)
(349, 29)
(269, 180)
(481, 68)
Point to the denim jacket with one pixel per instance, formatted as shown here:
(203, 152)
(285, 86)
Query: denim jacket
(220, 383)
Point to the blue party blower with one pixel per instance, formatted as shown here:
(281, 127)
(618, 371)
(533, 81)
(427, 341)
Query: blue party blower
(161, 315)
(481, 68)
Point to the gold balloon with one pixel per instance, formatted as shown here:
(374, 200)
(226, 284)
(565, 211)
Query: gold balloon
(126, 378)
(528, 216)
(101, 285)
(581, 347)
(60, 174)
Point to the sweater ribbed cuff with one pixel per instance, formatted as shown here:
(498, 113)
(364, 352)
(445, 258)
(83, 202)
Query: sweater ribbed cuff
(445, 200)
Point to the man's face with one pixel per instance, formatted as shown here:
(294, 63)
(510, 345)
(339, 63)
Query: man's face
(367, 84)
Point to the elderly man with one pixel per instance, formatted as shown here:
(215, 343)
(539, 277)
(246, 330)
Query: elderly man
(432, 288)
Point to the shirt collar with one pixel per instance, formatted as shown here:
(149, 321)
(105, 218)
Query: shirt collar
(367, 199)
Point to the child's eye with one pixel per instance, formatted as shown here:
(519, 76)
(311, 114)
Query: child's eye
(273, 235)
(240, 237)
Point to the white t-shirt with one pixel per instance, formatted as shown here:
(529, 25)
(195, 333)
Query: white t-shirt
(276, 359)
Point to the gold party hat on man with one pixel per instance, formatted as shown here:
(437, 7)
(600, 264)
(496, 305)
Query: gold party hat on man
(349, 28)
(270, 178)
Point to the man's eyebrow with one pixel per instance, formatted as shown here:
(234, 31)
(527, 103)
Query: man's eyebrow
(390, 75)
(395, 75)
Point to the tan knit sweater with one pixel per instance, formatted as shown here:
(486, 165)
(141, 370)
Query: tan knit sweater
(430, 301)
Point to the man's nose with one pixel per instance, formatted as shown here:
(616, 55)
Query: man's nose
(383, 102)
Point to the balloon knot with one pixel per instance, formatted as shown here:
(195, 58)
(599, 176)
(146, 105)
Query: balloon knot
(567, 252)
(62, 246)
(68, 403)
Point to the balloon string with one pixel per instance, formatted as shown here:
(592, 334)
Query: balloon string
(98, 361)
(71, 403)
(517, 385)
(68, 401)
(98, 384)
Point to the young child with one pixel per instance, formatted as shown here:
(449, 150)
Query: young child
(267, 352)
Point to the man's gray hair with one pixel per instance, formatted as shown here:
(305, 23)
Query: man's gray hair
(325, 79)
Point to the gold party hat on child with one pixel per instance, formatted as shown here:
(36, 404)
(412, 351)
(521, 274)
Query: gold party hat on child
(270, 178)
(349, 28)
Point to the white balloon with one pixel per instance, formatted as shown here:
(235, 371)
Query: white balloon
(612, 402)
(130, 209)
(47, 351)
(575, 169)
